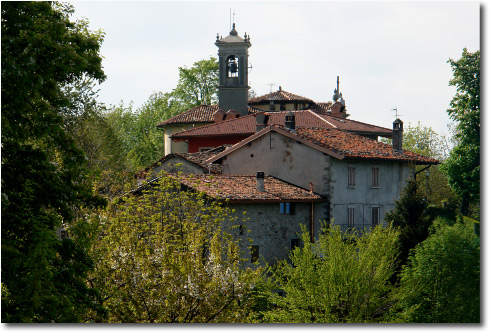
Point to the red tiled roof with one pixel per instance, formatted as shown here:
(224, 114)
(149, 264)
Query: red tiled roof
(355, 146)
(198, 114)
(278, 96)
(246, 125)
(243, 188)
(196, 158)
(337, 143)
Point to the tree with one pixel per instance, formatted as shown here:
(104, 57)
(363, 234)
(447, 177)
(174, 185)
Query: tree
(432, 184)
(341, 278)
(44, 175)
(463, 165)
(409, 216)
(441, 284)
(198, 85)
(165, 255)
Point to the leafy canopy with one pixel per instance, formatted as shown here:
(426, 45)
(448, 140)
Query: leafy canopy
(342, 278)
(166, 255)
(44, 178)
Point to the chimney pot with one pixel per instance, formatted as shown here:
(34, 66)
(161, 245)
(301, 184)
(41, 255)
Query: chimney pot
(260, 181)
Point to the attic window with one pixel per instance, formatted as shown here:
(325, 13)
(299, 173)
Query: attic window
(287, 208)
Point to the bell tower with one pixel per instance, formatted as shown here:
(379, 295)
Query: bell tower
(233, 71)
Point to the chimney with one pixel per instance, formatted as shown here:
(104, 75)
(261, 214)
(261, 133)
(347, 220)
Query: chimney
(219, 116)
(338, 110)
(261, 121)
(290, 120)
(232, 114)
(260, 181)
(397, 135)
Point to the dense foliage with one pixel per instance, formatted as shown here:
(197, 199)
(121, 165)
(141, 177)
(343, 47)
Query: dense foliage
(463, 165)
(44, 178)
(163, 255)
(342, 278)
(441, 284)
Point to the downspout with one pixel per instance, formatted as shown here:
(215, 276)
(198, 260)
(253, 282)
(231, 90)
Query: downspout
(312, 222)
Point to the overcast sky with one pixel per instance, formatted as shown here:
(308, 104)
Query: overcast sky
(388, 54)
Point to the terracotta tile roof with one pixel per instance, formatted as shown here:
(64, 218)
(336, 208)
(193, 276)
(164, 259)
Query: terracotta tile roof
(353, 146)
(196, 158)
(322, 107)
(246, 125)
(198, 114)
(243, 188)
(336, 143)
(279, 96)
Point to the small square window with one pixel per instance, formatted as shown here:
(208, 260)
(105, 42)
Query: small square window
(283, 107)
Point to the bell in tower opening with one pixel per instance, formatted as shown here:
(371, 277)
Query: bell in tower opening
(232, 66)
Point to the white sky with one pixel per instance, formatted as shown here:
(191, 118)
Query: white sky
(387, 54)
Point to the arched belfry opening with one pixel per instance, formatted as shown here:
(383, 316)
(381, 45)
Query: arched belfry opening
(233, 71)
(232, 66)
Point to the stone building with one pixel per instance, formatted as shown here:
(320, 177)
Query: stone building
(274, 211)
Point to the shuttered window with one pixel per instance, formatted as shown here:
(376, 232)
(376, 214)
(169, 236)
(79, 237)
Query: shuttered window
(375, 177)
(351, 176)
(351, 217)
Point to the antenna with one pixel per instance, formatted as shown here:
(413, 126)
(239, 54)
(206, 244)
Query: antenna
(397, 115)
(271, 86)
(229, 19)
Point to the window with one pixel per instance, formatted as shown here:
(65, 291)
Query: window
(283, 107)
(255, 253)
(375, 177)
(287, 208)
(240, 230)
(351, 217)
(294, 243)
(351, 176)
(375, 215)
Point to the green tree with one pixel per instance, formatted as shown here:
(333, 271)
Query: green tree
(463, 165)
(340, 279)
(410, 217)
(433, 183)
(165, 255)
(198, 84)
(44, 175)
(441, 284)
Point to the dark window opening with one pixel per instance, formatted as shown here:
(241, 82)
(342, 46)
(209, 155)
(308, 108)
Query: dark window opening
(294, 243)
(351, 176)
(255, 253)
(240, 231)
(287, 208)
(351, 217)
(375, 215)
(282, 107)
(375, 177)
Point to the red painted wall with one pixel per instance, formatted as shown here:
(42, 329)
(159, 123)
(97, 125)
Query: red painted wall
(204, 142)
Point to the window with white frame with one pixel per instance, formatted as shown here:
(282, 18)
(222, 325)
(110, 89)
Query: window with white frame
(351, 217)
(351, 175)
(375, 176)
(375, 215)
